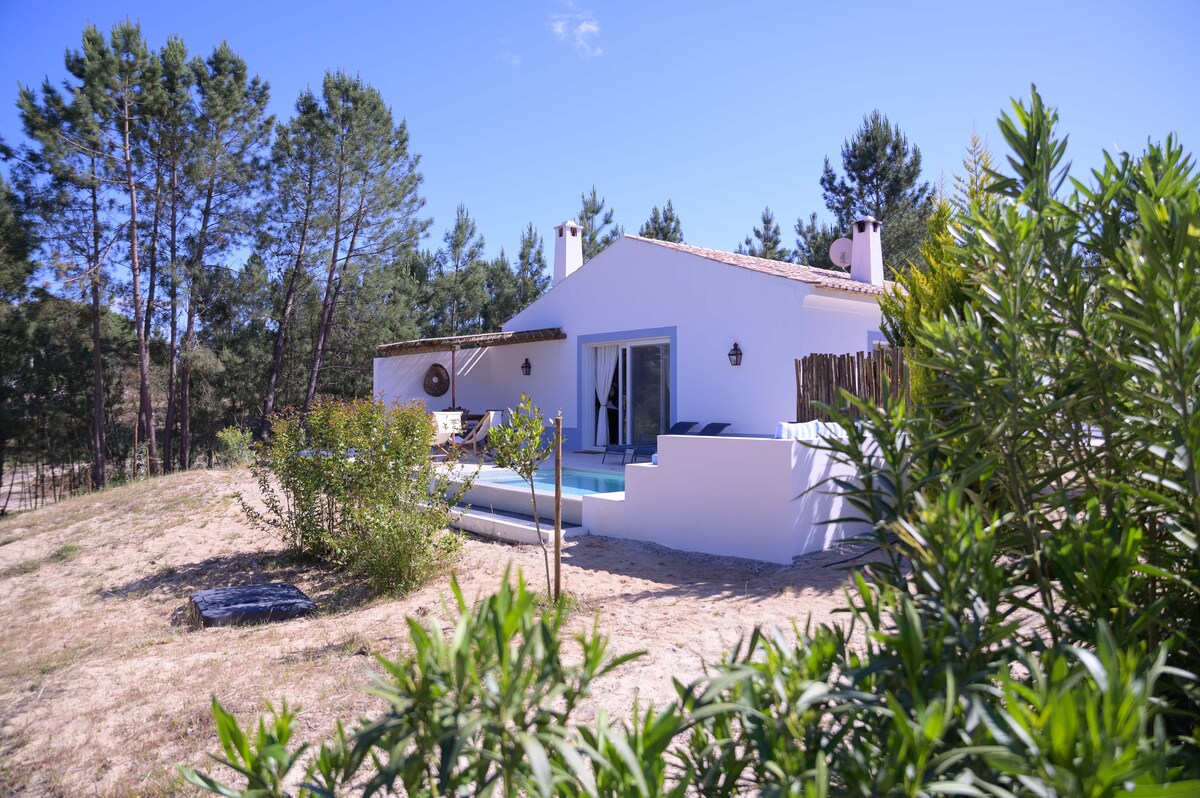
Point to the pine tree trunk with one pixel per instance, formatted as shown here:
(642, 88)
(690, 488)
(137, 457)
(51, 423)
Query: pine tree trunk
(146, 401)
(97, 443)
(185, 387)
(189, 333)
(327, 300)
(152, 277)
(173, 357)
(285, 315)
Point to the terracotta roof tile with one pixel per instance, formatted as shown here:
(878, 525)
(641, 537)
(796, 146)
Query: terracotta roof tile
(792, 271)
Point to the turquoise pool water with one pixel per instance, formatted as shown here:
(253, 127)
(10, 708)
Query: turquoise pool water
(576, 481)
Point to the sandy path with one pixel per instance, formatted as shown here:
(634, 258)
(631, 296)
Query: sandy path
(104, 688)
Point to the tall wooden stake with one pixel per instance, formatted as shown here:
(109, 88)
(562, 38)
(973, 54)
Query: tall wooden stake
(558, 505)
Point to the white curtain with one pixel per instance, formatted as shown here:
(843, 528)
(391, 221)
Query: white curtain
(606, 370)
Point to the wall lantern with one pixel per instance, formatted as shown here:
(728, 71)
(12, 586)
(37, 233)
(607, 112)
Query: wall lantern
(735, 355)
(526, 368)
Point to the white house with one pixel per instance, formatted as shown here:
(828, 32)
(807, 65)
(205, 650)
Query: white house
(646, 334)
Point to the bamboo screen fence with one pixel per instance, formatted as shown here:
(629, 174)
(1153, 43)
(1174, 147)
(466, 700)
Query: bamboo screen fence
(819, 376)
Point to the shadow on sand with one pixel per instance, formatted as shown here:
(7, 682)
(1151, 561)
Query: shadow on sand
(332, 589)
(679, 574)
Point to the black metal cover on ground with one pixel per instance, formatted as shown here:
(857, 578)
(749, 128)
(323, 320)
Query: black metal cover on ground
(248, 604)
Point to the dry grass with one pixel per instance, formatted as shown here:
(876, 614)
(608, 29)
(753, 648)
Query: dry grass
(104, 688)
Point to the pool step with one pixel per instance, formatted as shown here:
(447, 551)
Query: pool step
(515, 500)
(510, 527)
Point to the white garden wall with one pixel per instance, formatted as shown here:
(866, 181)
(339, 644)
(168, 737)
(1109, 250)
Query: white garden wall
(740, 497)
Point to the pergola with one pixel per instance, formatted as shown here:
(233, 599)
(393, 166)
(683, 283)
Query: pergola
(453, 343)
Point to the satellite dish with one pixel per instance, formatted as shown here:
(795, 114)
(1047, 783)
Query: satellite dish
(839, 252)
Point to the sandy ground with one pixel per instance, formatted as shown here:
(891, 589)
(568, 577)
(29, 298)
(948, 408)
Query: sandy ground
(104, 688)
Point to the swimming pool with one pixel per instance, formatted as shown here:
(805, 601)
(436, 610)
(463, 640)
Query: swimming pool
(576, 481)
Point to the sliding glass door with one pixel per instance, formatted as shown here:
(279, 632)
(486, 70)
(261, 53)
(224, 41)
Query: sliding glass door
(637, 406)
(649, 389)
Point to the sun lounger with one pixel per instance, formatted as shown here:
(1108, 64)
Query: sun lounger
(713, 429)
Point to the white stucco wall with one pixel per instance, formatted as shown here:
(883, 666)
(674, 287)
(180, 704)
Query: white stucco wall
(740, 497)
(485, 379)
(702, 305)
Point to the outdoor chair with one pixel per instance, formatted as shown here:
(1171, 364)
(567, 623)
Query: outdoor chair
(615, 448)
(647, 450)
(714, 428)
(647, 447)
(447, 424)
(480, 432)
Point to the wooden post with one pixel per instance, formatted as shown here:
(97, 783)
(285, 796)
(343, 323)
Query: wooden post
(558, 505)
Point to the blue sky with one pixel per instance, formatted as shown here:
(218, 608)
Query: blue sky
(517, 107)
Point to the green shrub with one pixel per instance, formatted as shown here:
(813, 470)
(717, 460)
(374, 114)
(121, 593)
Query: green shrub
(233, 447)
(1031, 623)
(484, 708)
(352, 482)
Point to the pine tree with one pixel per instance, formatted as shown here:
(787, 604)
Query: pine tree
(232, 131)
(500, 290)
(457, 290)
(170, 145)
(293, 224)
(532, 276)
(881, 178)
(765, 241)
(88, 157)
(594, 220)
(237, 340)
(372, 183)
(64, 174)
(16, 245)
(127, 73)
(813, 241)
(380, 305)
(663, 226)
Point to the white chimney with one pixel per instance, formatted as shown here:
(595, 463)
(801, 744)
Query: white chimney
(866, 255)
(568, 250)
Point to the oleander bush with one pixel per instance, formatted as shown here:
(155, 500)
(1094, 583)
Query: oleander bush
(1030, 622)
(352, 483)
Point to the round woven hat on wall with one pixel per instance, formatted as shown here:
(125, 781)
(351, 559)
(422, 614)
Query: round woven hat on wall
(437, 380)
